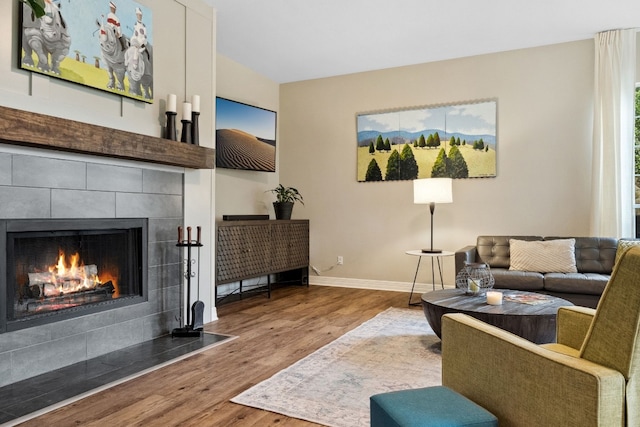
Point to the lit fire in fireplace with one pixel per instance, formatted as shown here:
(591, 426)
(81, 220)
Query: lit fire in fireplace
(63, 268)
(71, 276)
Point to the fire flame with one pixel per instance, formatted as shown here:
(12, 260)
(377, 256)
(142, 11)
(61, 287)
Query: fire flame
(72, 275)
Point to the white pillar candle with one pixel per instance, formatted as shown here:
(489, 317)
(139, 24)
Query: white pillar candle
(494, 298)
(195, 103)
(186, 111)
(474, 284)
(171, 103)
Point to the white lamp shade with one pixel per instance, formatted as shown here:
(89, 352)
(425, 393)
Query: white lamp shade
(432, 190)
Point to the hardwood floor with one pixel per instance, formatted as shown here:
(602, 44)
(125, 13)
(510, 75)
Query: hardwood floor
(272, 334)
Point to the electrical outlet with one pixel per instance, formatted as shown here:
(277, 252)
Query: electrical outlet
(340, 260)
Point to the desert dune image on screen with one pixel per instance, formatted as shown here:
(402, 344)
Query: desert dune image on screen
(245, 136)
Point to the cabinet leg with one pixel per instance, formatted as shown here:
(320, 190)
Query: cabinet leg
(269, 286)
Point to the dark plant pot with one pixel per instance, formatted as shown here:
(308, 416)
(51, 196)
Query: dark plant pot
(283, 209)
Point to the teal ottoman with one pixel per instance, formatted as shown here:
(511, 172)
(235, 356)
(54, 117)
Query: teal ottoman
(426, 407)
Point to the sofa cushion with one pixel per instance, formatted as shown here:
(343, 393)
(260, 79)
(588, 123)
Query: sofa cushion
(576, 283)
(494, 250)
(594, 254)
(517, 280)
(549, 256)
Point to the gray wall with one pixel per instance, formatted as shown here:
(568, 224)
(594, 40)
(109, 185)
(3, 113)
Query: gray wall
(34, 187)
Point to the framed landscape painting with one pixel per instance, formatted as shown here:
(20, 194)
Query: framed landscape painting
(245, 136)
(455, 140)
(107, 45)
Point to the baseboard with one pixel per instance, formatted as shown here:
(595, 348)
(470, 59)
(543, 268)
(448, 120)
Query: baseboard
(378, 285)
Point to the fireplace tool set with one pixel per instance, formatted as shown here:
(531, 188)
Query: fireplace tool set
(193, 327)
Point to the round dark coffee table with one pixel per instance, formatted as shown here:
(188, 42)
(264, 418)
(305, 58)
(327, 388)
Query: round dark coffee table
(536, 323)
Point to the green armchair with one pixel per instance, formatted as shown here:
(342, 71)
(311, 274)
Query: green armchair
(589, 377)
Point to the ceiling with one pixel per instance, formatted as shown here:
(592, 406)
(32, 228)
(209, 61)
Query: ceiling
(293, 40)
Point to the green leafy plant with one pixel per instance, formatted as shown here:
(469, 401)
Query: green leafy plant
(36, 5)
(287, 194)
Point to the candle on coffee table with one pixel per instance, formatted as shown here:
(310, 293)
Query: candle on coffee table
(494, 298)
(474, 284)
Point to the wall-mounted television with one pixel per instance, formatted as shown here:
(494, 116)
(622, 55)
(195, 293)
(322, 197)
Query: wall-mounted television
(245, 136)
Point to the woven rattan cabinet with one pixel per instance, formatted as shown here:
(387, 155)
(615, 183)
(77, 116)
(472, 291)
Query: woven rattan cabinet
(249, 249)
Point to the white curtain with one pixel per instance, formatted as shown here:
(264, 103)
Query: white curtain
(612, 213)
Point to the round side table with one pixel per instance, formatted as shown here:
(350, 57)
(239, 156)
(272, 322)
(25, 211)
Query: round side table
(435, 257)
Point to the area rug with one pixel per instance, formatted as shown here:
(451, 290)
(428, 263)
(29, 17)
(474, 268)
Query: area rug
(395, 350)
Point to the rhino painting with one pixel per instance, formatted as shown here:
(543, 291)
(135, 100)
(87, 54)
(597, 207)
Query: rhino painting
(113, 55)
(47, 37)
(139, 64)
(116, 55)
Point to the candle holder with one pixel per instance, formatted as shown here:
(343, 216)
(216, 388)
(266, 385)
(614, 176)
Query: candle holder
(195, 129)
(475, 278)
(170, 132)
(186, 131)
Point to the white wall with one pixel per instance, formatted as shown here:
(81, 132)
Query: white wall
(237, 191)
(544, 157)
(184, 64)
(199, 185)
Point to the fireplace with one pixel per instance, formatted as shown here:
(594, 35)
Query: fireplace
(56, 269)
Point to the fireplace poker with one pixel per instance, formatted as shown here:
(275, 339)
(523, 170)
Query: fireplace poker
(193, 327)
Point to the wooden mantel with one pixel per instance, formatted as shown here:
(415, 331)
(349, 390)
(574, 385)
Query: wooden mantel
(41, 131)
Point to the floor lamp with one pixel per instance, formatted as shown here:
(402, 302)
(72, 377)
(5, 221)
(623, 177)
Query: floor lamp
(431, 191)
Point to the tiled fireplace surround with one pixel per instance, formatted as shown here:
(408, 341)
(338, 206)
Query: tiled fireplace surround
(33, 187)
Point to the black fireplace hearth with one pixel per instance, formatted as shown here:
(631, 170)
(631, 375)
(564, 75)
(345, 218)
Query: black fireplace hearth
(56, 269)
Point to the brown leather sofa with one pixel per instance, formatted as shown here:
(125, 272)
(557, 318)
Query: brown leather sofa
(595, 257)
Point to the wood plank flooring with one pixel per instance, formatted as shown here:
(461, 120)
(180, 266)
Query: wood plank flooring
(272, 334)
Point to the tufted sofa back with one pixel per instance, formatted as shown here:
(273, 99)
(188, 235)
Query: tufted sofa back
(494, 250)
(593, 254)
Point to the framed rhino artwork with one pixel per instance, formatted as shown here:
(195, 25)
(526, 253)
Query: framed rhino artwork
(107, 45)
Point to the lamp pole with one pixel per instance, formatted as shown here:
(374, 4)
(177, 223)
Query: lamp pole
(432, 208)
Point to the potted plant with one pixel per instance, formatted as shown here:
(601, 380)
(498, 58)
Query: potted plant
(286, 197)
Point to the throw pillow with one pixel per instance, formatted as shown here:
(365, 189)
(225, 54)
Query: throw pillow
(624, 245)
(546, 256)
